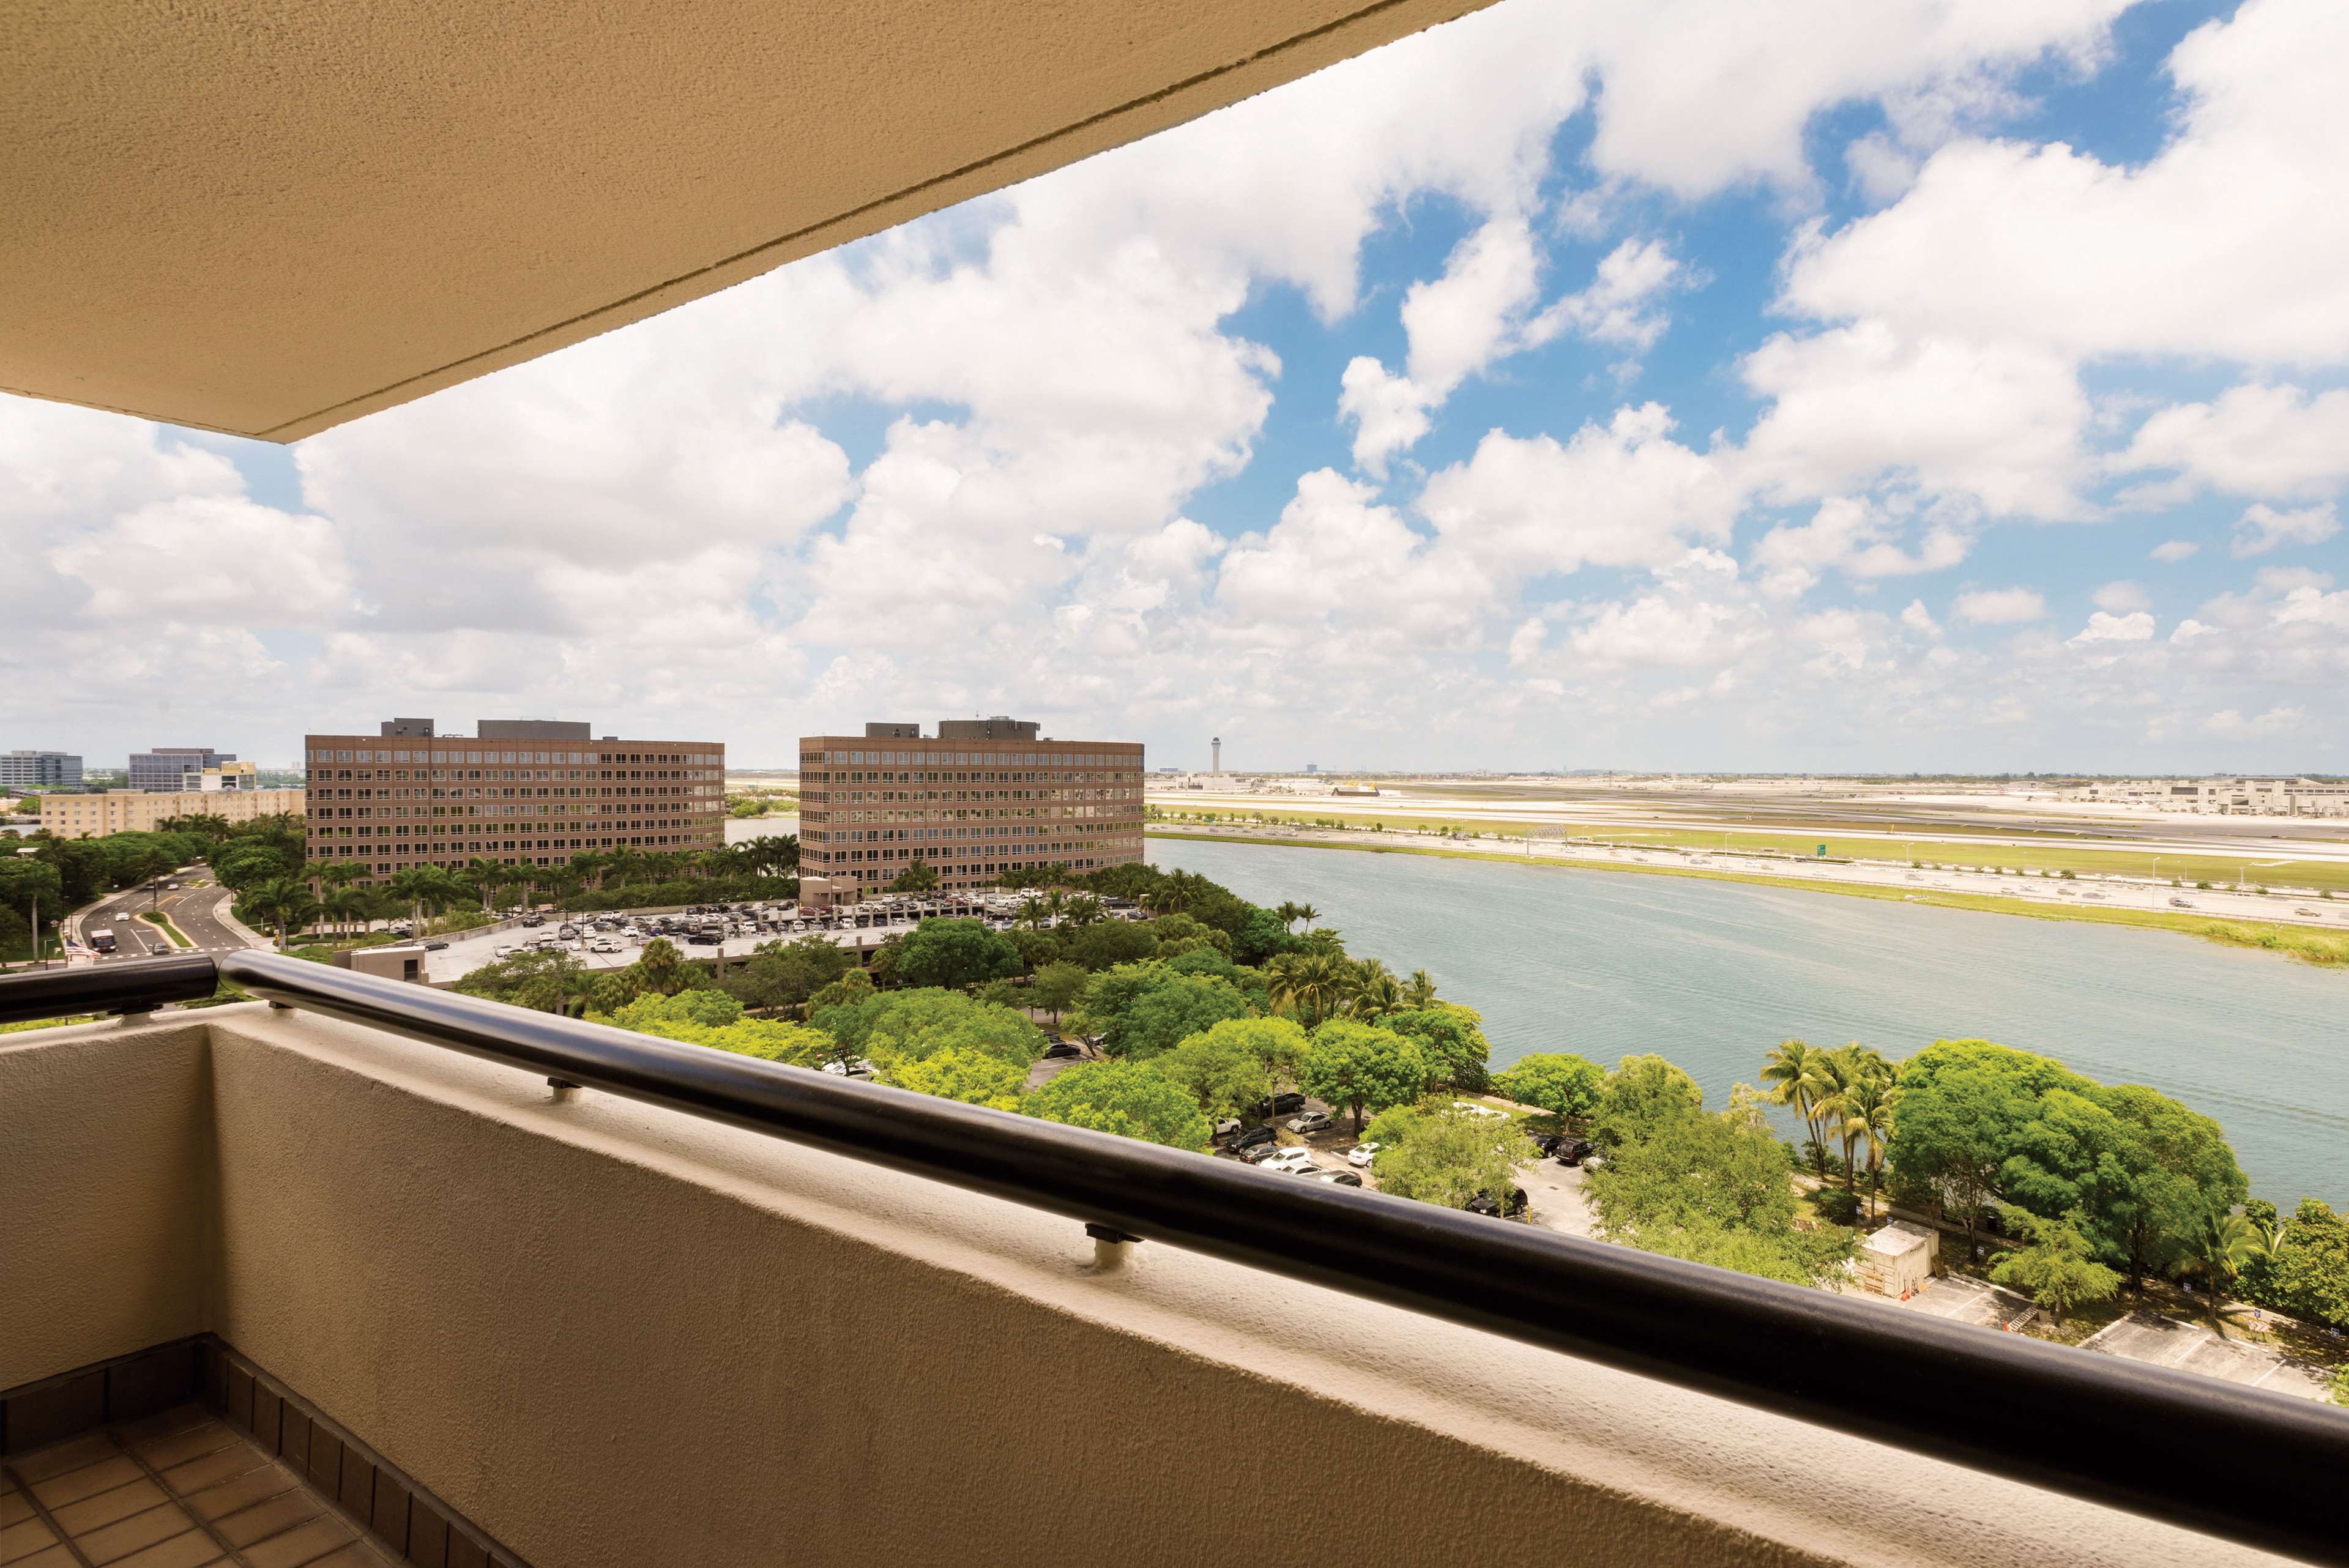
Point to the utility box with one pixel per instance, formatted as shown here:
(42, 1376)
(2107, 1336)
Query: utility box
(1897, 1260)
(405, 962)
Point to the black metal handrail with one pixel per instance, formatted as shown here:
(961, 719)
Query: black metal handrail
(2253, 1467)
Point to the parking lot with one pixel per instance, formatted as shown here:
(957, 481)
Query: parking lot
(2192, 1346)
(747, 926)
(1962, 1299)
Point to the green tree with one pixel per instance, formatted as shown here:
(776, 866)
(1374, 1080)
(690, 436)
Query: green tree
(686, 1018)
(1109, 945)
(1056, 988)
(893, 1026)
(543, 980)
(954, 954)
(854, 986)
(2053, 1265)
(1452, 1039)
(1313, 985)
(959, 1072)
(916, 876)
(1639, 1096)
(1218, 1069)
(1448, 1157)
(1125, 1097)
(2311, 1271)
(1558, 1081)
(1362, 1068)
(783, 974)
(1791, 1069)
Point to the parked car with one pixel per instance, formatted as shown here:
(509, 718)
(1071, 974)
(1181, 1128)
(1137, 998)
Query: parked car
(504, 950)
(1280, 1105)
(1573, 1151)
(534, 920)
(435, 945)
(704, 939)
(1485, 1204)
(1062, 1050)
(2180, 903)
(860, 1068)
(1290, 1161)
(1229, 1127)
(1361, 1154)
(1338, 1178)
(1311, 1122)
(1264, 1152)
(1258, 1137)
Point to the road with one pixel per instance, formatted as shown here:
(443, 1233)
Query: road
(195, 909)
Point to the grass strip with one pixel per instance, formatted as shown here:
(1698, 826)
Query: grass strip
(156, 917)
(2317, 947)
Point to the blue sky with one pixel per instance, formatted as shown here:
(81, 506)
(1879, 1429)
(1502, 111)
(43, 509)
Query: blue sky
(1907, 386)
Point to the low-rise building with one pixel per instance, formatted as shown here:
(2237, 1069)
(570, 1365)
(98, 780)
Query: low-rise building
(146, 810)
(531, 792)
(2222, 796)
(174, 768)
(980, 798)
(39, 770)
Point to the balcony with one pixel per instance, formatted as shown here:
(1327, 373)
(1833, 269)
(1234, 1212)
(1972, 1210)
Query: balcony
(707, 1310)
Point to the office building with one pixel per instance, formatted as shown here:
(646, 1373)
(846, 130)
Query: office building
(173, 767)
(231, 776)
(981, 798)
(146, 810)
(2221, 797)
(39, 770)
(522, 792)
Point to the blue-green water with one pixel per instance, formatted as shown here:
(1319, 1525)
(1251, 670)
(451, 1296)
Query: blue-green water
(1711, 974)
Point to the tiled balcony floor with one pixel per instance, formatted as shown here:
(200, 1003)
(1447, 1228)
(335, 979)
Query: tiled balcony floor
(174, 1491)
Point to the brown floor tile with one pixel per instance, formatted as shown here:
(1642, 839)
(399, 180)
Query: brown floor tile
(189, 1551)
(58, 1458)
(55, 1557)
(250, 1524)
(13, 1505)
(242, 1492)
(182, 1446)
(299, 1545)
(79, 1517)
(162, 1424)
(125, 1536)
(24, 1538)
(358, 1554)
(215, 1468)
(87, 1481)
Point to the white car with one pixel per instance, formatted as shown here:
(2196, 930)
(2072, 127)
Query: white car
(504, 950)
(604, 944)
(1361, 1155)
(1473, 1108)
(1288, 1162)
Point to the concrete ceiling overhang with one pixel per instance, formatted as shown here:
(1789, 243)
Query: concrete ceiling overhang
(266, 217)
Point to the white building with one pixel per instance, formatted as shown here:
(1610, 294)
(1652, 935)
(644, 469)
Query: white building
(2223, 796)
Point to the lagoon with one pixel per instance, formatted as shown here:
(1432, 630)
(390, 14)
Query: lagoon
(1711, 974)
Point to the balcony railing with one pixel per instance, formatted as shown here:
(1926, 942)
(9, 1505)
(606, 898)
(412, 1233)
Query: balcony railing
(2255, 1467)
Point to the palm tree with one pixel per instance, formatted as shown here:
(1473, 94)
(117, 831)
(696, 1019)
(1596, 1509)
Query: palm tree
(285, 903)
(484, 876)
(342, 905)
(1792, 1066)
(1083, 910)
(1313, 984)
(1295, 913)
(2221, 1243)
(1374, 993)
(1419, 991)
(1867, 1109)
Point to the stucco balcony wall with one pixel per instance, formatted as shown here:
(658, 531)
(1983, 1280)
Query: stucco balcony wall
(615, 1335)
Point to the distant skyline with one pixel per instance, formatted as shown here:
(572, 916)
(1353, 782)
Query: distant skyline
(1937, 386)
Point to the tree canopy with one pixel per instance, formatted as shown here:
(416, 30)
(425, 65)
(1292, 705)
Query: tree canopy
(960, 1072)
(955, 952)
(1439, 1155)
(1362, 1068)
(1451, 1037)
(1558, 1081)
(1125, 1097)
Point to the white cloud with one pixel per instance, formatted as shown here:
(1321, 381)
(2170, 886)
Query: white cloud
(2274, 721)
(201, 558)
(2189, 629)
(2307, 604)
(2224, 243)
(1995, 426)
(2171, 552)
(1619, 305)
(1666, 629)
(1621, 494)
(2102, 627)
(2264, 527)
(1917, 618)
(2254, 440)
(2123, 596)
(1859, 540)
(2002, 607)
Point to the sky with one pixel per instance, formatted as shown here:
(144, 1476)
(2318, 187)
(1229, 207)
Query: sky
(1827, 385)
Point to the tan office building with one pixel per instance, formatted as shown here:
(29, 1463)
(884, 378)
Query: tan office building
(520, 791)
(145, 810)
(979, 798)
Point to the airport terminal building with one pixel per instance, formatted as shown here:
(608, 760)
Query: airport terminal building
(976, 798)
